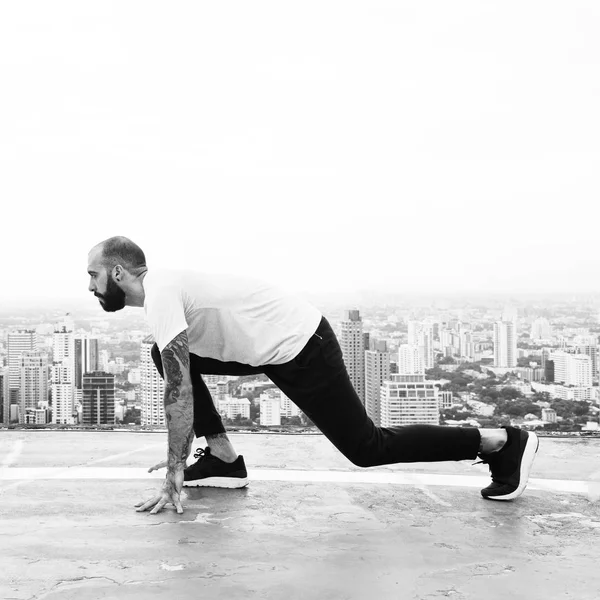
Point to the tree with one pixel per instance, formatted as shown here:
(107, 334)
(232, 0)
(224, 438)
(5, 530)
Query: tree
(510, 393)
(132, 415)
(447, 360)
(541, 397)
(581, 408)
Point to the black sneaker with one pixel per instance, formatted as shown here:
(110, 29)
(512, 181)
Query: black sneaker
(511, 465)
(210, 471)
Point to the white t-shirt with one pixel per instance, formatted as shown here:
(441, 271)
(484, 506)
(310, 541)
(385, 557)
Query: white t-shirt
(227, 317)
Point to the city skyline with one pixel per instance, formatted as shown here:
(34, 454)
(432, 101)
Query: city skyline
(410, 148)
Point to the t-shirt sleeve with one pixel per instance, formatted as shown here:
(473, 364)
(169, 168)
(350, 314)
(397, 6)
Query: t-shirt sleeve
(166, 314)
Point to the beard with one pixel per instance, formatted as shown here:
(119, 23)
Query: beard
(113, 298)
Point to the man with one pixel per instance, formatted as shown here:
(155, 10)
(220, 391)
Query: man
(218, 324)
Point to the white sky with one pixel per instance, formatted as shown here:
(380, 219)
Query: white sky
(323, 146)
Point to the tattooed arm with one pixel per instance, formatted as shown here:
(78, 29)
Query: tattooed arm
(179, 412)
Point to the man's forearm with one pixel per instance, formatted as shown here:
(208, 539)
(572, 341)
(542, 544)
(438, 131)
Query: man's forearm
(180, 421)
(179, 400)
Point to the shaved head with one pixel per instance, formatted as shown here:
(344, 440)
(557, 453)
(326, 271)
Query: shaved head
(122, 251)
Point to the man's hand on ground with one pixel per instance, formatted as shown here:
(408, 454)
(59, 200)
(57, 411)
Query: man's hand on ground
(170, 493)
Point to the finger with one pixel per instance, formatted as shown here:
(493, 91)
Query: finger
(158, 466)
(178, 506)
(158, 507)
(148, 504)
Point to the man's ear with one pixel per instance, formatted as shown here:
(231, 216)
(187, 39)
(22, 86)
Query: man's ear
(117, 272)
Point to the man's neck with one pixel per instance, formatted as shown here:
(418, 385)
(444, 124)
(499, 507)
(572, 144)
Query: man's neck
(138, 296)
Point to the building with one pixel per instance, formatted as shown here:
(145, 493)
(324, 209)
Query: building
(87, 359)
(270, 410)
(408, 400)
(19, 341)
(39, 416)
(377, 370)
(577, 393)
(590, 350)
(549, 415)
(287, 408)
(541, 329)
(152, 387)
(104, 360)
(572, 369)
(98, 398)
(421, 336)
(134, 376)
(231, 408)
(63, 375)
(63, 405)
(505, 344)
(466, 345)
(353, 350)
(410, 360)
(4, 396)
(33, 388)
(445, 399)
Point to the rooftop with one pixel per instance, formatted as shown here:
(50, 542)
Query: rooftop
(309, 525)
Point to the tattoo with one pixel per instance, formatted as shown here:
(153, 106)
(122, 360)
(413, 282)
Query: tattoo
(178, 400)
(176, 353)
(172, 375)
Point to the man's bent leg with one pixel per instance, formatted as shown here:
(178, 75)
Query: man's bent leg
(207, 420)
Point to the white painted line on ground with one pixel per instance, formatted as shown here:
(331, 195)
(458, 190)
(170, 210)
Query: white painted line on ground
(122, 454)
(289, 475)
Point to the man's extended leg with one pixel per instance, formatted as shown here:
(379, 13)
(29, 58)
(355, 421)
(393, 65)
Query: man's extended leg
(317, 381)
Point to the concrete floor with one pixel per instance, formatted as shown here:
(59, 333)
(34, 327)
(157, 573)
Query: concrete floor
(68, 528)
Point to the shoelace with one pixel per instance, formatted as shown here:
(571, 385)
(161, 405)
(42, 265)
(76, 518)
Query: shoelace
(199, 453)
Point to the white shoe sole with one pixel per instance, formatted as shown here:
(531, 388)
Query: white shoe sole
(218, 482)
(531, 448)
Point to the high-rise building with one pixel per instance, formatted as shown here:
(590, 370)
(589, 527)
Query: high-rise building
(4, 396)
(572, 369)
(541, 329)
(353, 350)
(63, 406)
(591, 350)
(467, 348)
(98, 398)
(63, 374)
(63, 348)
(103, 360)
(408, 400)
(86, 357)
(152, 387)
(19, 342)
(33, 388)
(505, 344)
(410, 360)
(421, 336)
(377, 370)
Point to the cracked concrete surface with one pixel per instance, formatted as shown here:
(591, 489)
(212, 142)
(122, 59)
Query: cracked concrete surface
(82, 539)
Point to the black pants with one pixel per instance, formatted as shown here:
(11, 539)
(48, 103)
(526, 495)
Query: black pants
(318, 383)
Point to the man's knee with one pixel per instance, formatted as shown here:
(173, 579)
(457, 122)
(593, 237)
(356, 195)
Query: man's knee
(361, 456)
(360, 459)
